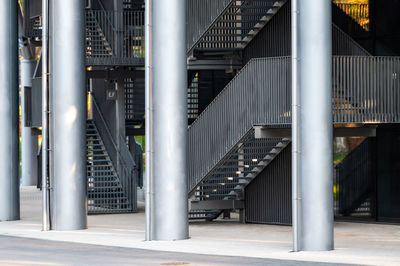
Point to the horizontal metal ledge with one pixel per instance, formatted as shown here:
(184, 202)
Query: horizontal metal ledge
(217, 204)
(261, 132)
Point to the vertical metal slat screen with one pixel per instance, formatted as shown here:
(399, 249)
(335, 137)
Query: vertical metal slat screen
(365, 90)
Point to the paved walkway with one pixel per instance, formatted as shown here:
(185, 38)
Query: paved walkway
(22, 251)
(355, 243)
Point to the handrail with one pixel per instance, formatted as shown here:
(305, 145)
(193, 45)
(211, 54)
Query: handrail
(123, 152)
(366, 89)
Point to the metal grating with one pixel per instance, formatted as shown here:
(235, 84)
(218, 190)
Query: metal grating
(106, 193)
(134, 100)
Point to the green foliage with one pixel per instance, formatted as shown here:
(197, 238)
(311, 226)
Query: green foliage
(338, 158)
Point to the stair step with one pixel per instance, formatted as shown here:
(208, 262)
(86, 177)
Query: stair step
(215, 195)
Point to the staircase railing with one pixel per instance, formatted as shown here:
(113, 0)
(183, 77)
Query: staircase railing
(365, 90)
(119, 154)
(202, 14)
(124, 32)
(242, 104)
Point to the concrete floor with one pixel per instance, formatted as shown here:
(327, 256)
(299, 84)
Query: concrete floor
(23, 251)
(355, 243)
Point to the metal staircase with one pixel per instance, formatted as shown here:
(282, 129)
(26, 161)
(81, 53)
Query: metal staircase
(111, 171)
(105, 191)
(96, 42)
(223, 188)
(225, 154)
(232, 28)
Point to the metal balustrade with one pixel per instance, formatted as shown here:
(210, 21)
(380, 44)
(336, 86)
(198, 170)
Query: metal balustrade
(112, 38)
(365, 90)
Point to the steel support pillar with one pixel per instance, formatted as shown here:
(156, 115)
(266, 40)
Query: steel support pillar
(296, 204)
(29, 141)
(316, 130)
(9, 131)
(68, 116)
(170, 120)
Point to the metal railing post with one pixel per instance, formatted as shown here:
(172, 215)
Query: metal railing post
(45, 117)
(149, 121)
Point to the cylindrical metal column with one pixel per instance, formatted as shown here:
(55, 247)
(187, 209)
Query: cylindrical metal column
(9, 131)
(170, 120)
(149, 122)
(68, 116)
(316, 124)
(296, 207)
(29, 141)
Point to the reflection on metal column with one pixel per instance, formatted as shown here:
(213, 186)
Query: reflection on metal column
(170, 120)
(68, 116)
(316, 128)
(9, 150)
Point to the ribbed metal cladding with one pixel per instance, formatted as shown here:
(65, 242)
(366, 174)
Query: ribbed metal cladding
(268, 196)
(343, 44)
(365, 90)
(201, 14)
(356, 180)
(275, 39)
(243, 103)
